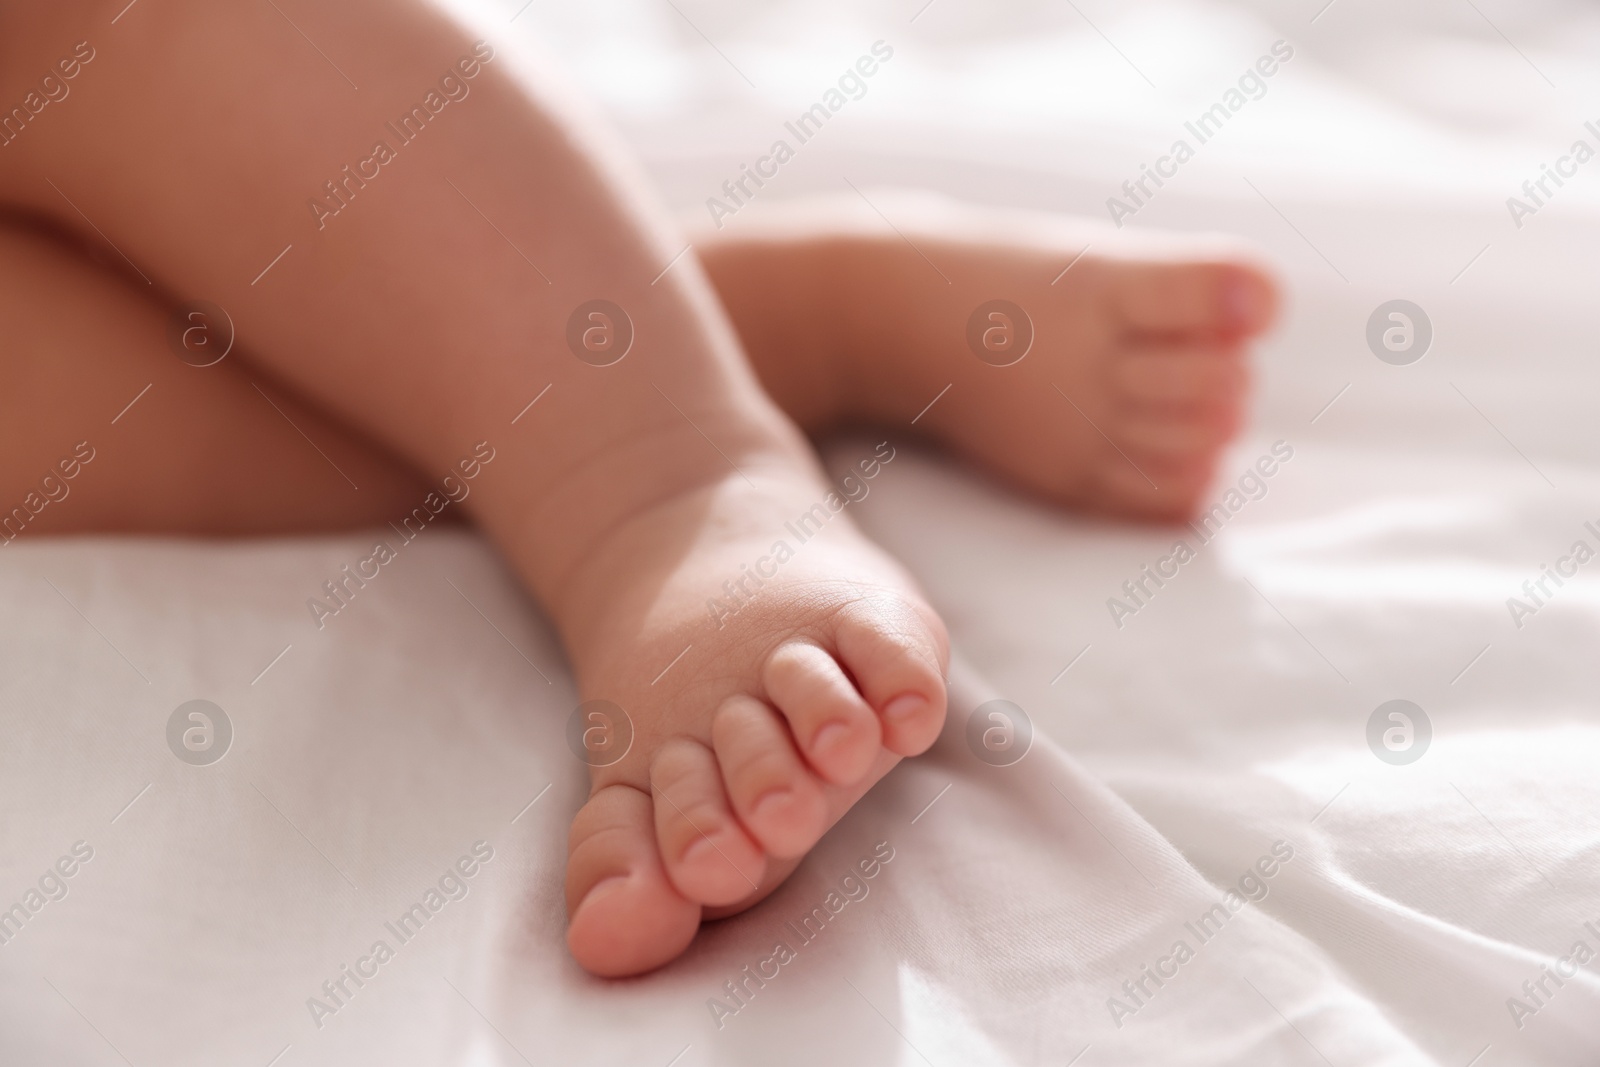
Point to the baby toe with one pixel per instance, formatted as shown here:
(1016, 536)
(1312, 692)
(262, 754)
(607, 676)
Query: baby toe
(834, 727)
(897, 655)
(1225, 296)
(1182, 377)
(1154, 489)
(625, 915)
(707, 854)
(774, 795)
(1174, 439)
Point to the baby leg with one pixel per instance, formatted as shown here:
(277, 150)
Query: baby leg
(422, 256)
(107, 429)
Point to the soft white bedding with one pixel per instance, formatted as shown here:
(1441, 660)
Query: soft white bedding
(1209, 737)
(1225, 720)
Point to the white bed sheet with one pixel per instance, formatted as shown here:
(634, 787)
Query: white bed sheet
(377, 751)
(1227, 716)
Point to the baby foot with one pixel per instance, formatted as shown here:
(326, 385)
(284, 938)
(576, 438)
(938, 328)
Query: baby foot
(772, 672)
(1136, 377)
(1100, 368)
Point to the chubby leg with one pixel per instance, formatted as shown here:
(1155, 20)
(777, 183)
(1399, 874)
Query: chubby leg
(106, 429)
(793, 288)
(421, 256)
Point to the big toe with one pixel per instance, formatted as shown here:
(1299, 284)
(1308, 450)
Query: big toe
(625, 917)
(1220, 294)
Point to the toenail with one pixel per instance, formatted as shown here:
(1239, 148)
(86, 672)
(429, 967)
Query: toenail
(1244, 303)
(611, 883)
(701, 849)
(829, 737)
(769, 802)
(904, 707)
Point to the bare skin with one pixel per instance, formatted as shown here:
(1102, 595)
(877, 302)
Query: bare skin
(408, 327)
(1135, 381)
